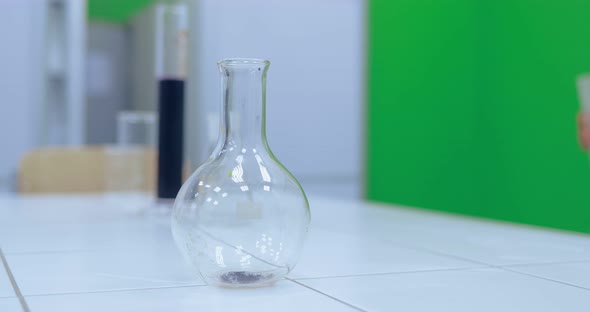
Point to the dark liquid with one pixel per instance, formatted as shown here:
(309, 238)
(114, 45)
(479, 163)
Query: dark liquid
(171, 105)
(241, 277)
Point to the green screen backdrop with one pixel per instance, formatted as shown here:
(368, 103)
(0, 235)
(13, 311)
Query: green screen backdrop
(472, 107)
(114, 10)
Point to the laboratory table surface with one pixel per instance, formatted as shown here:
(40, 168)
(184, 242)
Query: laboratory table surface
(115, 252)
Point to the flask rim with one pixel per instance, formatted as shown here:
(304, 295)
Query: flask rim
(240, 62)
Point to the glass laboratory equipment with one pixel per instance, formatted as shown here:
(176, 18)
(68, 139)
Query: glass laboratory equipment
(130, 165)
(241, 218)
(172, 73)
(137, 128)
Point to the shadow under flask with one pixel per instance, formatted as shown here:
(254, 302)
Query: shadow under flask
(241, 218)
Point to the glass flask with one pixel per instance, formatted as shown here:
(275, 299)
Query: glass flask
(241, 218)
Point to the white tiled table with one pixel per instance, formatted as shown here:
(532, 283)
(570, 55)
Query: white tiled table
(108, 253)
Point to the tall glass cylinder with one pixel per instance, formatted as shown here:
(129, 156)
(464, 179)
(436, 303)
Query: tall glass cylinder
(172, 68)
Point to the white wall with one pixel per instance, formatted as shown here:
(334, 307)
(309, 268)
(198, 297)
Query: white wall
(144, 93)
(108, 80)
(30, 80)
(20, 60)
(63, 35)
(315, 82)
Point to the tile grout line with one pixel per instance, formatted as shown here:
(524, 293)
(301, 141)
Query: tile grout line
(507, 267)
(49, 252)
(17, 291)
(391, 273)
(543, 278)
(114, 290)
(329, 296)
(445, 254)
(543, 263)
(491, 265)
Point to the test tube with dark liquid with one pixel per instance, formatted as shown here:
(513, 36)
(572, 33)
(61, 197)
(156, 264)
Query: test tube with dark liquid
(171, 81)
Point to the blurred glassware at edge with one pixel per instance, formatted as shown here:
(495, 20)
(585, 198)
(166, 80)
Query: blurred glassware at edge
(583, 82)
(137, 128)
(131, 165)
(7, 183)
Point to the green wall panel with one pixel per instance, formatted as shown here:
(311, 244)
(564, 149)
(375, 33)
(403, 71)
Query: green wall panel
(114, 10)
(472, 106)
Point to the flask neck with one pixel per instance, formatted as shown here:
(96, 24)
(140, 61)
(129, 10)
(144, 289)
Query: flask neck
(243, 105)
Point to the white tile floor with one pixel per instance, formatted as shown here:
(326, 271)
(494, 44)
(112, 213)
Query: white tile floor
(5, 285)
(90, 271)
(97, 253)
(10, 305)
(285, 296)
(575, 273)
(330, 253)
(464, 290)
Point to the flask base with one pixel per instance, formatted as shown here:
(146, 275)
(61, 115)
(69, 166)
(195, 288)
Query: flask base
(239, 279)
